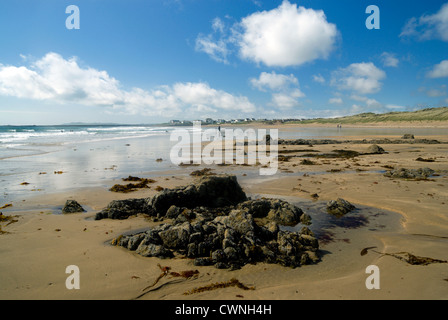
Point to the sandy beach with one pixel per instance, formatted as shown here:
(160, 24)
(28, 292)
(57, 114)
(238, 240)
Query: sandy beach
(36, 249)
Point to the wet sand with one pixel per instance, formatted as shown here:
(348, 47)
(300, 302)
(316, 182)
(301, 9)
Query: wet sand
(410, 216)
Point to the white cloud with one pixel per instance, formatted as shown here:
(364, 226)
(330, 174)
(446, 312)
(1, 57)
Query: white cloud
(273, 81)
(394, 107)
(215, 44)
(389, 59)
(53, 77)
(56, 79)
(369, 102)
(335, 101)
(428, 27)
(284, 88)
(216, 49)
(356, 109)
(358, 98)
(318, 78)
(284, 101)
(435, 92)
(362, 78)
(218, 25)
(439, 70)
(286, 36)
(200, 95)
(365, 104)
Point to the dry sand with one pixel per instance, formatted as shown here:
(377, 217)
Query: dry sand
(36, 249)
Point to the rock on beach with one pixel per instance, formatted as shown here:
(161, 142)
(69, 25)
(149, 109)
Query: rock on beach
(214, 223)
(72, 206)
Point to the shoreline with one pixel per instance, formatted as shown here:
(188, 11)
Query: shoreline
(106, 271)
(379, 124)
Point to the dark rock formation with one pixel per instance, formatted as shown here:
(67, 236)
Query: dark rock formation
(214, 224)
(403, 173)
(375, 149)
(408, 136)
(122, 209)
(276, 210)
(209, 191)
(339, 207)
(226, 242)
(72, 206)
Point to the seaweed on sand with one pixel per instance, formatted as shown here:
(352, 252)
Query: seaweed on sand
(203, 172)
(130, 187)
(366, 250)
(307, 162)
(166, 271)
(414, 260)
(407, 257)
(425, 160)
(296, 151)
(135, 179)
(9, 219)
(283, 158)
(220, 285)
(340, 154)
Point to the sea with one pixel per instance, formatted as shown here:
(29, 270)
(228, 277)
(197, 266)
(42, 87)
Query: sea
(42, 159)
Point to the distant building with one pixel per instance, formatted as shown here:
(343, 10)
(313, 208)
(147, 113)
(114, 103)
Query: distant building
(175, 122)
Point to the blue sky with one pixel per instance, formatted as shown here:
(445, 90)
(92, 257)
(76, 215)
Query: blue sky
(149, 61)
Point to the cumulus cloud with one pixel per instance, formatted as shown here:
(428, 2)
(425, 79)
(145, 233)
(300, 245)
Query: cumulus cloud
(389, 59)
(53, 77)
(284, 101)
(284, 88)
(427, 27)
(318, 78)
(200, 96)
(273, 81)
(439, 70)
(368, 101)
(60, 80)
(285, 36)
(361, 78)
